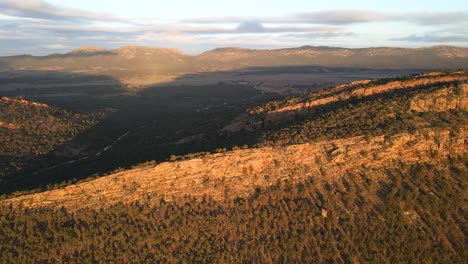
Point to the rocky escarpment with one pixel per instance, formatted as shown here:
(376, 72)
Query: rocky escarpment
(20, 101)
(277, 112)
(442, 100)
(240, 172)
(364, 127)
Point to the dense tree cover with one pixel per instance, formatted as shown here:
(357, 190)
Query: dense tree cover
(401, 214)
(381, 114)
(276, 104)
(29, 130)
(414, 214)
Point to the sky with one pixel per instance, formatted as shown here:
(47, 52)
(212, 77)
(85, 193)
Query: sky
(41, 27)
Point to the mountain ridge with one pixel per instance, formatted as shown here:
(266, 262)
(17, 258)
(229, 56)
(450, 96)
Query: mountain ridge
(237, 173)
(137, 67)
(420, 120)
(234, 48)
(370, 171)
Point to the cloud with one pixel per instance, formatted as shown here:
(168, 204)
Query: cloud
(54, 46)
(250, 27)
(438, 18)
(81, 29)
(433, 38)
(254, 27)
(257, 27)
(242, 28)
(320, 35)
(345, 17)
(38, 9)
(335, 17)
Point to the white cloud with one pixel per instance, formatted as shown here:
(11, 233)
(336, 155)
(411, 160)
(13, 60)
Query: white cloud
(434, 38)
(40, 9)
(54, 46)
(345, 17)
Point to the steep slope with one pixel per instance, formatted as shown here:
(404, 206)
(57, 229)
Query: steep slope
(413, 120)
(415, 216)
(376, 176)
(278, 112)
(239, 173)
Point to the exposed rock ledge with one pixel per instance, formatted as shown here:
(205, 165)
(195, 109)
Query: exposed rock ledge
(238, 173)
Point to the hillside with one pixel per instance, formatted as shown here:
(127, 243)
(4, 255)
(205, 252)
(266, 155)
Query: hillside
(368, 124)
(391, 91)
(370, 171)
(378, 58)
(240, 172)
(36, 133)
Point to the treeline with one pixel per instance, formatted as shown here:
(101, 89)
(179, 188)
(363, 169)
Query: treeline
(412, 214)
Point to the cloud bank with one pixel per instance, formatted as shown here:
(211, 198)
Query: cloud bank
(37, 26)
(345, 17)
(38, 9)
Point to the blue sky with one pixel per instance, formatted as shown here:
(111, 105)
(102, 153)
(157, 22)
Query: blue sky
(42, 27)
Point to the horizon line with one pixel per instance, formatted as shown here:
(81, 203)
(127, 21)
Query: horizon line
(102, 49)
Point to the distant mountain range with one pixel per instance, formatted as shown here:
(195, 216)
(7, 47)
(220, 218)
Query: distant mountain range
(172, 61)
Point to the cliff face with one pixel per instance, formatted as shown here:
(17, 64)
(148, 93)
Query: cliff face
(240, 172)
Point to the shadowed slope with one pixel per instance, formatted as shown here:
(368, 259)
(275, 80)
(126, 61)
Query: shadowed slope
(423, 125)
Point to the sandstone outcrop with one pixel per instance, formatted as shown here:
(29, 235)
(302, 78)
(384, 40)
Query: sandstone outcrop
(240, 172)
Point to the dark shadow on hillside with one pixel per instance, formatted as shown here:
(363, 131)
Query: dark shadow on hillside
(147, 123)
(285, 79)
(3, 64)
(68, 91)
(152, 121)
(56, 84)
